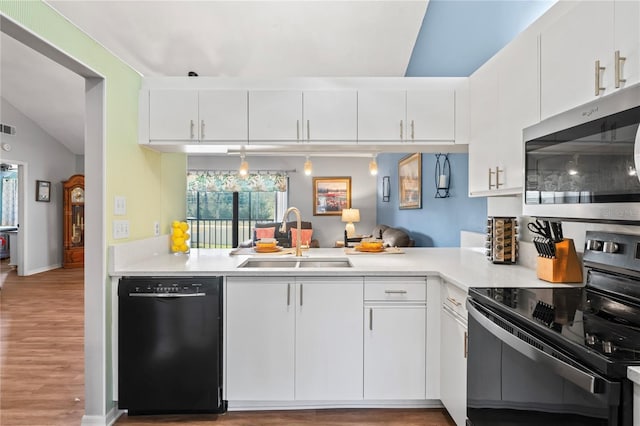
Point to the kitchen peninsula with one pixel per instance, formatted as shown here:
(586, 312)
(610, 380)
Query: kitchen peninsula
(357, 330)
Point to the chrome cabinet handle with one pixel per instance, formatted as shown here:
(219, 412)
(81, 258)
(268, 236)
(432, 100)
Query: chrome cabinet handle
(491, 172)
(300, 294)
(371, 319)
(401, 130)
(413, 136)
(298, 130)
(454, 301)
(498, 171)
(395, 291)
(308, 132)
(619, 60)
(599, 69)
(466, 344)
(202, 129)
(191, 128)
(288, 294)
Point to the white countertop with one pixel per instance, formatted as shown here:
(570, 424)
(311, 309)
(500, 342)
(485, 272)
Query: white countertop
(465, 267)
(633, 373)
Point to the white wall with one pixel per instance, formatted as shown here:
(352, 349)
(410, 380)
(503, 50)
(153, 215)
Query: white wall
(326, 229)
(45, 159)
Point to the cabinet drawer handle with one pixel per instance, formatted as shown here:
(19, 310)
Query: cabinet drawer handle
(454, 301)
(498, 171)
(371, 319)
(413, 135)
(201, 129)
(288, 294)
(401, 130)
(300, 294)
(599, 69)
(466, 344)
(191, 128)
(619, 60)
(308, 132)
(395, 291)
(491, 172)
(298, 130)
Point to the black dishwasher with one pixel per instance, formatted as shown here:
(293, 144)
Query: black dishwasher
(170, 345)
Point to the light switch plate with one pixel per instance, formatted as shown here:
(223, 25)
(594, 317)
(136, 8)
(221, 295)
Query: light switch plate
(120, 229)
(120, 205)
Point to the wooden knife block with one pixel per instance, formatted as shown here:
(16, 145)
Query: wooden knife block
(564, 268)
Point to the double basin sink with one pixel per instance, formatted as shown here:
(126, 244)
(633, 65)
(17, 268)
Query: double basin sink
(332, 262)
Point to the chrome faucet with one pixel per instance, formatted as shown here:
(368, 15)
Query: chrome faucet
(283, 228)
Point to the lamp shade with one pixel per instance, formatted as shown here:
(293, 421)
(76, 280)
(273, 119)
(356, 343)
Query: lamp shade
(350, 215)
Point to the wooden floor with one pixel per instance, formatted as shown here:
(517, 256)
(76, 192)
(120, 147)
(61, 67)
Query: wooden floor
(42, 366)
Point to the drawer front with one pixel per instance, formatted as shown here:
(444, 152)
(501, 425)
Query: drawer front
(454, 297)
(395, 289)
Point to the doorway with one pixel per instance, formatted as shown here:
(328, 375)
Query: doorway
(95, 273)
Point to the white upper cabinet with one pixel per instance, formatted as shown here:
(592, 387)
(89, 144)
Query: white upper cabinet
(504, 99)
(223, 115)
(192, 115)
(572, 47)
(430, 115)
(275, 115)
(330, 115)
(173, 115)
(627, 42)
(381, 115)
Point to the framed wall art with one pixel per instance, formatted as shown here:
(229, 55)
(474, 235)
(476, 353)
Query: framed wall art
(43, 190)
(331, 195)
(410, 182)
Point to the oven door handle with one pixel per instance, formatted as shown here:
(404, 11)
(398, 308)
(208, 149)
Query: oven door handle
(576, 376)
(636, 153)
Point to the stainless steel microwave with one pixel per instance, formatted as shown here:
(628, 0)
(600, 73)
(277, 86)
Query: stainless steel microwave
(584, 164)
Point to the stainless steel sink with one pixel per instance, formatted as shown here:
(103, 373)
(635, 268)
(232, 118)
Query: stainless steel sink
(296, 263)
(325, 263)
(269, 263)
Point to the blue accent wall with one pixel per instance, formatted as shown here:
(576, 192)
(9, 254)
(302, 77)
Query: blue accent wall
(458, 36)
(439, 222)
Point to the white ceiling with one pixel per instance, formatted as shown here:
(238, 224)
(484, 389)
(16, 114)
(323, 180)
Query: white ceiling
(214, 38)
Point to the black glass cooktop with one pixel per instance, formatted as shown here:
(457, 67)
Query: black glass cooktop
(598, 329)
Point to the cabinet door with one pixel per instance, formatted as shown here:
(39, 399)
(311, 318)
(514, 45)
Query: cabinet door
(627, 39)
(173, 115)
(394, 352)
(330, 115)
(329, 339)
(518, 105)
(483, 126)
(430, 115)
(223, 115)
(570, 47)
(260, 339)
(275, 115)
(381, 115)
(453, 373)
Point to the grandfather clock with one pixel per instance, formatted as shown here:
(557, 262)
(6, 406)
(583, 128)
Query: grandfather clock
(73, 201)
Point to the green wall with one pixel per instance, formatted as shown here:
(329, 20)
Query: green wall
(153, 183)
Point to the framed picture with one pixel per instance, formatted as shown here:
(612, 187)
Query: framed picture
(410, 182)
(331, 195)
(43, 190)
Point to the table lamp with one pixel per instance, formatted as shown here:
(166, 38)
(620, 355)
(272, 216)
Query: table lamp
(350, 216)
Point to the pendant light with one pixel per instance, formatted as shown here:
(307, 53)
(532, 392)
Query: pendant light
(308, 167)
(373, 166)
(244, 166)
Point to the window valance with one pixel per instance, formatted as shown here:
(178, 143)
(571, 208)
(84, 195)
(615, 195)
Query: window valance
(217, 181)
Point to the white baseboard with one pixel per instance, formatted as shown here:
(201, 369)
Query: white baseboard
(43, 269)
(309, 405)
(108, 420)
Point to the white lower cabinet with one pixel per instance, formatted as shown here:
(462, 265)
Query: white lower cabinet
(395, 338)
(453, 358)
(394, 352)
(294, 338)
